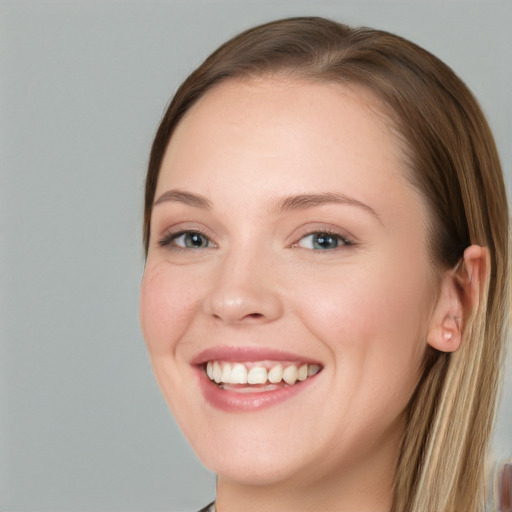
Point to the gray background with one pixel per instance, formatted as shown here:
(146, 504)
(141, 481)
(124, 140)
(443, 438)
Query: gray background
(82, 88)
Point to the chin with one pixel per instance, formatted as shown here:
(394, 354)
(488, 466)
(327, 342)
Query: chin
(262, 470)
(256, 453)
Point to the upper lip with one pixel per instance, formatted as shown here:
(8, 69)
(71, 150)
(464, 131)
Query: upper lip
(233, 354)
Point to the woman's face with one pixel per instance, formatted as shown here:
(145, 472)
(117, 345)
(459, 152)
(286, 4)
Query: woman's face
(286, 243)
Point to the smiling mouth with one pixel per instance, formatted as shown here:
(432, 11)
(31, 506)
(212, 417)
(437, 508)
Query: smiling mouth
(258, 376)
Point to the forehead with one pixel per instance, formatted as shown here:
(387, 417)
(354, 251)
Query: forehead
(266, 120)
(274, 99)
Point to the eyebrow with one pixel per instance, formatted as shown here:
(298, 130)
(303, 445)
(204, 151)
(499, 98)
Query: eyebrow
(305, 201)
(180, 196)
(283, 205)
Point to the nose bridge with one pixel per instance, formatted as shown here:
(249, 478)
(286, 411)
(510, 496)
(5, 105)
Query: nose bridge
(245, 287)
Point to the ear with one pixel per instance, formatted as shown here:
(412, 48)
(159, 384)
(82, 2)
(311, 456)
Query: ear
(461, 289)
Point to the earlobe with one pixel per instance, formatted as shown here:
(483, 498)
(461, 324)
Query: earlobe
(446, 325)
(459, 297)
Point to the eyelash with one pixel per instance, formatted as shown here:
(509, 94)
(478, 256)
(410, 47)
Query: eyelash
(170, 238)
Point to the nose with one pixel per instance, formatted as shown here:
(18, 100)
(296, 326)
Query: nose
(244, 290)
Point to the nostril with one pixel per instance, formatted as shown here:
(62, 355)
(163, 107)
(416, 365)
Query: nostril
(254, 315)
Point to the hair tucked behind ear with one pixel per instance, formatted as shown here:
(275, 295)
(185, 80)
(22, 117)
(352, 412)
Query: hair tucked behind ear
(453, 163)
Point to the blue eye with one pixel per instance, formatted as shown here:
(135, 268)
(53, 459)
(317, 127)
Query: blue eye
(322, 241)
(186, 240)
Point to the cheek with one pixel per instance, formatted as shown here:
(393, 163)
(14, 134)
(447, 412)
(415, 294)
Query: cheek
(167, 306)
(376, 315)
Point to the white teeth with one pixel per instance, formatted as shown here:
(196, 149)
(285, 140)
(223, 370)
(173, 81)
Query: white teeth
(226, 373)
(209, 370)
(217, 372)
(238, 374)
(275, 374)
(257, 373)
(303, 372)
(290, 375)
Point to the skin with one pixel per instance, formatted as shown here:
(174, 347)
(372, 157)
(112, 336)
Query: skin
(363, 310)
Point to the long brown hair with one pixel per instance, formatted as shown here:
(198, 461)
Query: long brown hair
(453, 162)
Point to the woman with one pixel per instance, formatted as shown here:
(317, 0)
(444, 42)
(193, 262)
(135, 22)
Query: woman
(325, 291)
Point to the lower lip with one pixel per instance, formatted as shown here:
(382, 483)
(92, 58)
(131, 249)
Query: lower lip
(231, 401)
